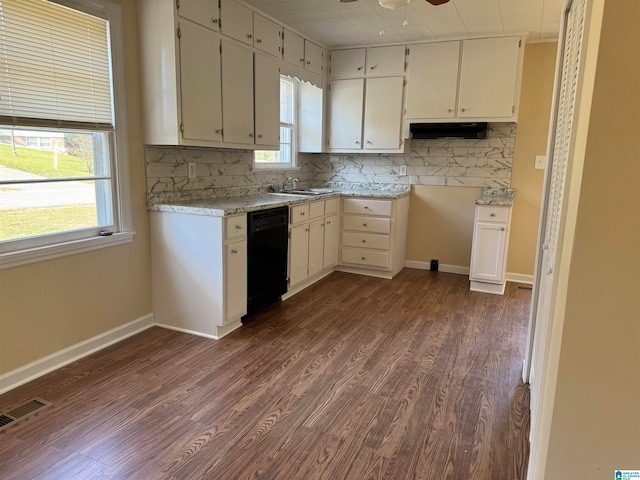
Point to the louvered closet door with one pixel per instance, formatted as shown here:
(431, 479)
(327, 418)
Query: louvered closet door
(552, 219)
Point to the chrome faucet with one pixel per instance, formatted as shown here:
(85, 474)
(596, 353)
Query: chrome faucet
(286, 184)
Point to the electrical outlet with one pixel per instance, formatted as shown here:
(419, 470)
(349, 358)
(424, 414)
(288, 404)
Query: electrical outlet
(541, 162)
(192, 169)
(402, 170)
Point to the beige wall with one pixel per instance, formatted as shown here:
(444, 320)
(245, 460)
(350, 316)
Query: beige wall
(531, 140)
(51, 305)
(441, 218)
(596, 410)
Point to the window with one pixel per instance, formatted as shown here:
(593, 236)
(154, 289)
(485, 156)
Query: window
(63, 141)
(286, 156)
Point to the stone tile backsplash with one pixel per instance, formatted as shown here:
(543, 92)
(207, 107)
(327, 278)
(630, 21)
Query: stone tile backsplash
(451, 162)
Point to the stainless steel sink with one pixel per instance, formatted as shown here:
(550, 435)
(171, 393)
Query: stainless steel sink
(308, 191)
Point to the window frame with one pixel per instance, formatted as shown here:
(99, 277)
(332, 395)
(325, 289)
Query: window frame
(293, 150)
(64, 243)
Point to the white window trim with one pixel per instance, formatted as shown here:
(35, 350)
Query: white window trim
(113, 12)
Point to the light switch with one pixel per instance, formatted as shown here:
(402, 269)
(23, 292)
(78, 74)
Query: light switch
(541, 162)
(402, 170)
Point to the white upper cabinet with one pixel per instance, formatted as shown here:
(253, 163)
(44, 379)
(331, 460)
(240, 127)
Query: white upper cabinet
(348, 63)
(386, 60)
(237, 93)
(267, 35)
(313, 56)
(345, 116)
(202, 12)
(488, 75)
(236, 21)
(383, 113)
(267, 101)
(201, 111)
(433, 80)
(293, 48)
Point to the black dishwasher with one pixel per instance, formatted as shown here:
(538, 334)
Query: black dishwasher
(267, 257)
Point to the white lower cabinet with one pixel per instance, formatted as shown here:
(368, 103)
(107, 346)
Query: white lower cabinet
(313, 240)
(489, 251)
(199, 272)
(374, 235)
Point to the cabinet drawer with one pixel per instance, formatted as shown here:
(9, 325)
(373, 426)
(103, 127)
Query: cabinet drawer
(493, 214)
(331, 206)
(366, 224)
(365, 240)
(299, 213)
(364, 206)
(316, 209)
(235, 227)
(365, 257)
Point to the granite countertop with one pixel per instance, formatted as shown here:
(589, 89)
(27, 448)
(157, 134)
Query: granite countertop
(499, 197)
(224, 206)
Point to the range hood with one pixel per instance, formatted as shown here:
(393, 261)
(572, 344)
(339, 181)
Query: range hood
(449, 130)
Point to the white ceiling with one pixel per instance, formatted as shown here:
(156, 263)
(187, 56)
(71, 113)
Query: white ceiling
(357, 23)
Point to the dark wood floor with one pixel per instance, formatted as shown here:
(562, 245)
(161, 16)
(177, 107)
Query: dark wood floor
(354, 378)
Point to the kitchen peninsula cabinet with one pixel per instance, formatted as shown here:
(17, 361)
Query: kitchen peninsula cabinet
(199, 272)
(374, 235)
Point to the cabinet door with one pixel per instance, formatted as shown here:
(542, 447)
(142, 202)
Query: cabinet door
(267, 35)
(235, 280)
(383, 112)
(267, 101)
(487, 260)
(298, 254)
(293, 48)
(348, 63)
(200, 84)
(331, 239)
(345, 115)
(316, 246)
(432, 83)
(386, 60)
(488, 77)
(237, 93)
(236, 21)
(312, 57)
(203, 12)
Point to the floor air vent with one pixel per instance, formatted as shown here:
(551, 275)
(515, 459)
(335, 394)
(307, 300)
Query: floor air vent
(22, 411)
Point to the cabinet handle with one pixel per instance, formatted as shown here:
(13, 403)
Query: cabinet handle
(234, 251)
(366, 207)
(260, 135)
(306, 229)
(251, 135)
(249, 35)
(369, 142)
(302, 60)
(364, 241)
(219, 131)
(450, 110)
(302, 213)
(308, 62)
(364, 224)
(373, 67)
(214, 21)
(357, 142)
(238, 227)
(492, 215)
(359, 68)
(502, 229)
(258, 40)
(463, 109)
(364, 258)
(328, 222)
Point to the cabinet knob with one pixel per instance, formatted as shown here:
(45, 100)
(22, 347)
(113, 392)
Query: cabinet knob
(364, 224)
(328, 222)
(302, 60)
(214, 21)
(364, 241)
(219, 131)
(357, 142)
(251, 135)
(369, 142)
(260, 135)
(359, 68)
(492, 215)
(364, 258)
(238, 227)
(463, 109)
(249, 35)
(258, 40)
(450, 110)
(550, 271)
(302, 213)
(373, 67)
(234, 251)
(306, 229)
(502, 229)
(308, 62)
(366, 207)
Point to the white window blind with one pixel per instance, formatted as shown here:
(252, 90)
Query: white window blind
(287, 102)
(54, 67)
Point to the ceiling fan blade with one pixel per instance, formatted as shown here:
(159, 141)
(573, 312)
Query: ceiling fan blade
(437, 2)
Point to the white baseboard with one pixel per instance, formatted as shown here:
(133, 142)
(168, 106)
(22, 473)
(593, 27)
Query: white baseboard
(457, 269)
(519, 278)
(33, 370)
(221, 331)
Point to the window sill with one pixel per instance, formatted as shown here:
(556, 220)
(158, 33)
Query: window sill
(24, 257)
(274, 168)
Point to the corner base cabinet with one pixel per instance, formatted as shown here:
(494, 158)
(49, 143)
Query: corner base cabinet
(489, 251)
(373, 236)
(199, 272)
